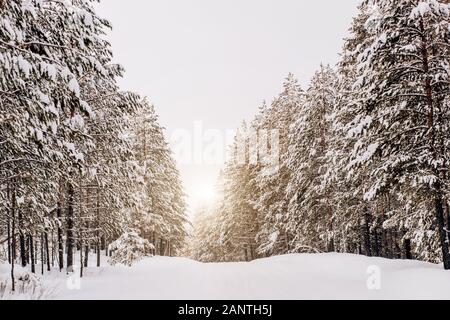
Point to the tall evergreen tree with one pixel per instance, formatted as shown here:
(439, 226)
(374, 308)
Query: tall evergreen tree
(403, 84)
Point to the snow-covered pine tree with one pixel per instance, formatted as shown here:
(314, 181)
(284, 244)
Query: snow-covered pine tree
(403, 85)
(270, 197)
(310, 211)
(366, 159)
(67, 163)
(105, 179)
(352, 216)
(130, 248)
(204, 242)
(161, 214)
(239, 221)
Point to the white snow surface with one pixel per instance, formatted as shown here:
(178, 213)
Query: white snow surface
(290, 277)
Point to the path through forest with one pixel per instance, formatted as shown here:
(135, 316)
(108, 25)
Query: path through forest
(322, 276)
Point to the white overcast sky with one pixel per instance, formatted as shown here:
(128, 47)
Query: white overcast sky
(215, 61)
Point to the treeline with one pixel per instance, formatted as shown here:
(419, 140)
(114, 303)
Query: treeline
(81, 162)
(363, 152)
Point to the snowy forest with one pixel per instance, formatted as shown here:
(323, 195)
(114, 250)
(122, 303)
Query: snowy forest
(364, 152)
(83, 166)
(86, 172)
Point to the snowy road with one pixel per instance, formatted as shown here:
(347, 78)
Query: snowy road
(324, 276)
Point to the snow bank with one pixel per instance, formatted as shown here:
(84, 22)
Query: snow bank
(29, 286)
(302, 276)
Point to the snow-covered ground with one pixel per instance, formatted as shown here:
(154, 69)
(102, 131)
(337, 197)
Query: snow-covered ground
(302, 276)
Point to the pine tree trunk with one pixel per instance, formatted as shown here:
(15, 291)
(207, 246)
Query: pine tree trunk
(47, 251)
(42, 254)
(154, 242)
(86, 255)
(286, 242)
(60, 238)
(32, 256)
(106, 247)
(53, 249)
(23, 253)
(366, 234)
(27, 249)
(407, 246)
(98, 254)
(393, 247)
(376, 244)
(13, 241)
(389, 252)
(8, 222)
(331, 244)
(81, 230)
(87, 246)
(442, 232)
(103, 242)
(383, 243)
(447, 209)
(70, 228)
(168, 248)
(397, 246)
(439, 201)
(252, 253)
(81, 257)
(98, 229)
